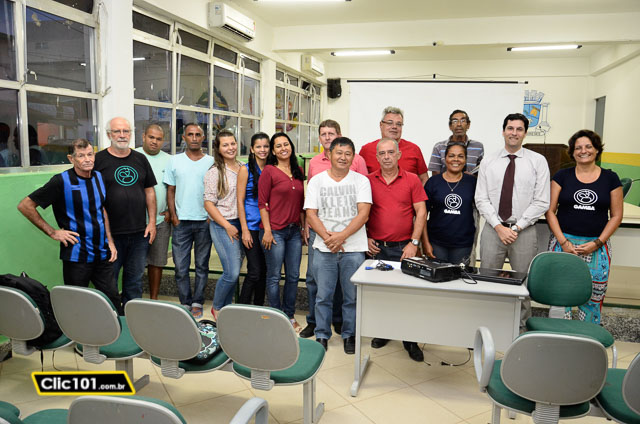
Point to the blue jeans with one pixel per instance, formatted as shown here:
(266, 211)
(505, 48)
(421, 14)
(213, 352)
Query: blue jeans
(288, 250)
(186, 235)
(230, 254)
(454, 255)
(132, 258)
(329, 268)
(390, 253)
(312, 288)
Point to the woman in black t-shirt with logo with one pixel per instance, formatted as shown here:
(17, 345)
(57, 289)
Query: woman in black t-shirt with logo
(586, 209)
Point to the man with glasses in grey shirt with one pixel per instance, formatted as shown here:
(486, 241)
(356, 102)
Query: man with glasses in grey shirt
(459, 124)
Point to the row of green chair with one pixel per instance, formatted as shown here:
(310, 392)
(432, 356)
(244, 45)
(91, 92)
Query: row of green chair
(124, 410)
(550, 375)
(258, 343)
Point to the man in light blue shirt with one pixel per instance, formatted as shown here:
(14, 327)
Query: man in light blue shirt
(152, 141)
(184, 177)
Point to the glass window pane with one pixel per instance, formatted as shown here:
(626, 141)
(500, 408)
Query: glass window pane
(315, 111)
(149, 25)
(248, 127)
(151, 73)
(293, 106)
(314, 144)
(304, 108)
(292, 132)
(194, 82)
(82, 5)
(251, 64)
(146, 115)
(54, 122)
(223, 122)
(293, 80)
(317, 89)
(225, 54)
(279, 103)
(58, 51)
(279, 75)
(306, 85)
(250, 96)
(184, 117)
(7, 41)
(303, 143)
(193, 41)
(279, 126)
(9, 150)
(225, 89)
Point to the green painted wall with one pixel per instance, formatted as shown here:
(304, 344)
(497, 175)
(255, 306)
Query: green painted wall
(628, 171)
(23, 247)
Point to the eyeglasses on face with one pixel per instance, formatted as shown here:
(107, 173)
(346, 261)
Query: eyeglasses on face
(392, 124)
(459, 121)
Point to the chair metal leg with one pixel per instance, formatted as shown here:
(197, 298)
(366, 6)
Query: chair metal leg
(614, 356)
(311, 412)
(495, 414)
(126, 365)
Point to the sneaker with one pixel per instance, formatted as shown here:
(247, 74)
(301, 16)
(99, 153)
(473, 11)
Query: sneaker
(308, 331)
(196, 312)
(350, 345)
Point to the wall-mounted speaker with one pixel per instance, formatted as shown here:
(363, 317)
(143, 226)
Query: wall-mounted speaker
(334, 90)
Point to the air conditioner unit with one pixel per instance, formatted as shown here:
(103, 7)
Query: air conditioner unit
(312, 65)
(221, 15)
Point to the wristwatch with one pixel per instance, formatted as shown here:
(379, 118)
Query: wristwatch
(415, 242)
(515, 228)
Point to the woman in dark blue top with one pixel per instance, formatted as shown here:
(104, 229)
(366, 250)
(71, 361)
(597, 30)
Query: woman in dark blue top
(254, 286)
(585, 210)
(451, 228)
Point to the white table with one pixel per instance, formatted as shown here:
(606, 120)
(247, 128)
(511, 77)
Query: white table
(396, 306)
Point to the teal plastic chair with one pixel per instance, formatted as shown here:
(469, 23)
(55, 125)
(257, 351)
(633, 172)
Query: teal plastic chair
(170, 335)
(125, 410)
(21, 321)
(619, 400)
(88, 317)
(265, 349)
(563, 279)
(545, 375)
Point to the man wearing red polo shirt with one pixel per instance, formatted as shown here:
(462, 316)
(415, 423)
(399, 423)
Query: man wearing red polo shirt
(391, 127)
(393, 233)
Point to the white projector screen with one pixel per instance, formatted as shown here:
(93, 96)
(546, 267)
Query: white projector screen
(427, 106)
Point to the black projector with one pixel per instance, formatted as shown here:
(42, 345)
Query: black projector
(430, 270)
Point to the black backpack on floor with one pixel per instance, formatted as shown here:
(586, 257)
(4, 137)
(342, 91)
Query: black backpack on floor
(40, 295)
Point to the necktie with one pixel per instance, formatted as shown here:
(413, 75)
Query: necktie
(505, 207)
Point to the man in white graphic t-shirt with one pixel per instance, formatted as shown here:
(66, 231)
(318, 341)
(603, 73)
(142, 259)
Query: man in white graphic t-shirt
(337, 204)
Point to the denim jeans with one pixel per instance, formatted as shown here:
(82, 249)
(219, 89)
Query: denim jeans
(255, 283)
(186, 235)
(288, 250)
(312, 288)
(230, 254)
(390, 253)
(329, 268)
(454, 255)
(132, 258)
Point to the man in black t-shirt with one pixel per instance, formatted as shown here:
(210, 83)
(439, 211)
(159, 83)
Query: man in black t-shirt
(77, 197)
(129, 182)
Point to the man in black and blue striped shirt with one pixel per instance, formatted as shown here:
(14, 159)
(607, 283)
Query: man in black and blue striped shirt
(77, 197)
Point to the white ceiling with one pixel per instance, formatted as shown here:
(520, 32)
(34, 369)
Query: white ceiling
(281, 15)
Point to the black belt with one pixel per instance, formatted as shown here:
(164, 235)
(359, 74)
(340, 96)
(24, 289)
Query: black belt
(392, 243)
(507, 224)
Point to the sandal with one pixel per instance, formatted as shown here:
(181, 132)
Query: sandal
(214, 313)
(196, 312)
(296, 327)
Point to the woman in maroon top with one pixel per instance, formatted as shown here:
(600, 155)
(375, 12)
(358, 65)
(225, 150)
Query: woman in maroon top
(280, 200)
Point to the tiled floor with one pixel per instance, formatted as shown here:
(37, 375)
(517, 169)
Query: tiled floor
(396, 389)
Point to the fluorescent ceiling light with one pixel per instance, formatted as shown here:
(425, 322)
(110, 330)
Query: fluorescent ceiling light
(135, 59)
(362, 52)
(537, 48)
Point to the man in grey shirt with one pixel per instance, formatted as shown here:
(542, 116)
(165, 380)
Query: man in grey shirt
(511, 210)
(459, 124)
